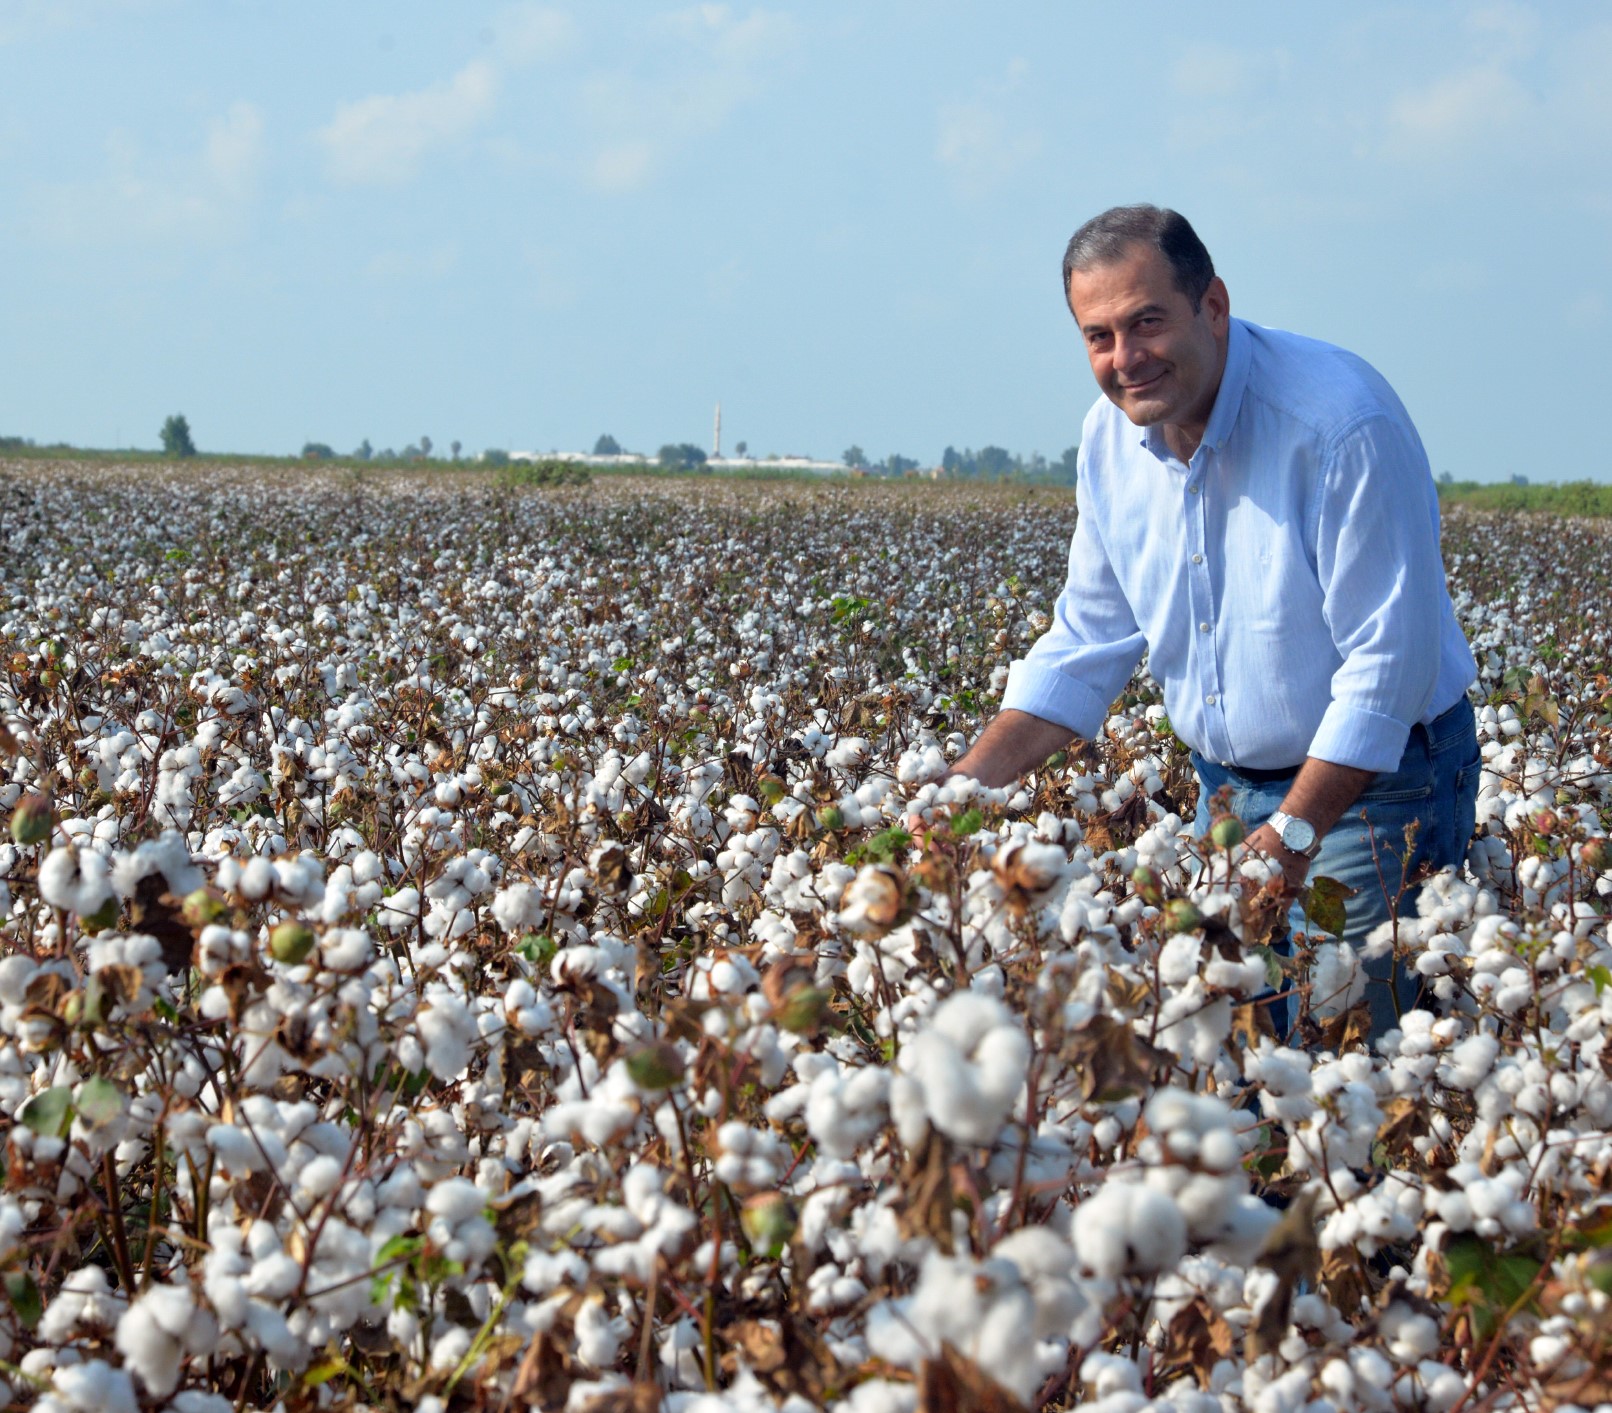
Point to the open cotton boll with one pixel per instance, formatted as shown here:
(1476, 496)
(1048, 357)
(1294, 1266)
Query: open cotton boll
(981, 1309)
(1127, 1228)
(75, 880)
(92, 1387)
(155, 1332)
(969, 1062)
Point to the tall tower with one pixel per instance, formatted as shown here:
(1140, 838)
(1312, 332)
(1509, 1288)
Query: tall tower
(716, 435)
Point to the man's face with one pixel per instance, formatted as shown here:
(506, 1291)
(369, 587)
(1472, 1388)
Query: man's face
(1155, 357)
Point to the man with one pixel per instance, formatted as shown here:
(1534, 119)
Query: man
(1256, 513)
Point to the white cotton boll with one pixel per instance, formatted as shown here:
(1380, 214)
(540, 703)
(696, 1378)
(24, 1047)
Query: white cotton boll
(518, 907)
(1127, 1228)
(1245, 976)
(86, 1299)
(448, 1030)
(319, 1176)
(75, 880)
(1336, 979)
(94, 1387)
(527, 1011)
(257, 877)
(970, 1062)
(908, 1110)
(346, 948)
(599, 1335)
(1179, 958)
(149, 1336)
(1467, 1064)
(1409, 1334)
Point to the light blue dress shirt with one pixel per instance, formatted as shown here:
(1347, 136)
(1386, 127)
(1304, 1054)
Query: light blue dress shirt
(1286, 583)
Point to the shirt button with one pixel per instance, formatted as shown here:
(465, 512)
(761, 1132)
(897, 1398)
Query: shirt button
(1203, 627)
(1210, 699)
(1192, 490)
(1197, 559)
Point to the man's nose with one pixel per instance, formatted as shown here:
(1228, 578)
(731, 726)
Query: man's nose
(1128, 352)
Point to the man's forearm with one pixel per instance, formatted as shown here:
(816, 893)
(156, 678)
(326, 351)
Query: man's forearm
(1323, 790)
(1320, 793)
(1013, 743)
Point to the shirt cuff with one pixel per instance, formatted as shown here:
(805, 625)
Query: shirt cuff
(1365, 740)
(1054, 697)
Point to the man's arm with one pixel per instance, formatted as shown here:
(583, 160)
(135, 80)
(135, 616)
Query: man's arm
(1012, 744)
(1320, 793)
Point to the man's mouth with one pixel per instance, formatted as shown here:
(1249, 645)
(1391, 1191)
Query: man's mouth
(1144, 385)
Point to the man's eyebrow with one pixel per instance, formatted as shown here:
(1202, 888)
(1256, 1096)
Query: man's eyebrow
(1129, 318)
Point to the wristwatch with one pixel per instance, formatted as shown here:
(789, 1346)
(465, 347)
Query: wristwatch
(1298, 836)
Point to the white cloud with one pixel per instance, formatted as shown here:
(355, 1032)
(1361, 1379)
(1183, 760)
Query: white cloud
(978, 144)
(1506, 27)
(624, 167)
(200, 198)
(1217, 71)
(384, 139)
(413, 265)
(698, 68)
(1472, 108)
(528, 34)
(234, 149)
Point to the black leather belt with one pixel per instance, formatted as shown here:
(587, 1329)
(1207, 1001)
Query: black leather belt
(1264, 777)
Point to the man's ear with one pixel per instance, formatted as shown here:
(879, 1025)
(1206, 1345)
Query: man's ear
(1217, 303)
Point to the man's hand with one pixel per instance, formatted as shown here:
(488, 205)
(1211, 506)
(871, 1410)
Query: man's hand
(1295, 867)
(1320, 793)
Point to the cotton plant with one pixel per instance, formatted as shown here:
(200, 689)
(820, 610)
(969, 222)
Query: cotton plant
(493, 956)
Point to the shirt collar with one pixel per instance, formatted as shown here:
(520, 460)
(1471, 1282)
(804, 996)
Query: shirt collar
(1228, 400)
(1233, 382)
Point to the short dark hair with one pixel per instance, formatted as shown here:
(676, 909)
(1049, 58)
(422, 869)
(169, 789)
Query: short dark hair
(1105, 239)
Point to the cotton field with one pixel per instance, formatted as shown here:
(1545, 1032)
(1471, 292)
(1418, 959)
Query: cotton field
(461, 951)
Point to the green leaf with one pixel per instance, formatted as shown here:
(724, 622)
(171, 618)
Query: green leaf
(884, 846)
(99, 1102)
(25, 1298)
(49, 1113)
(970, 821)
(1273, 966)
(1326, 905)
(1488, 1282)
(1601, 977)
(403, 1247)
(323, 1372)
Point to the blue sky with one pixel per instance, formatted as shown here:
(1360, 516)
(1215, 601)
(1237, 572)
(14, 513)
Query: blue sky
(526, 225)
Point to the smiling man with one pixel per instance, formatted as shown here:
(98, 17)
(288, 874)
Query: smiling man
(1256, 513)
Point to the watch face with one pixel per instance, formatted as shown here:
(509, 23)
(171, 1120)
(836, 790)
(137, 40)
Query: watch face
(1298, 835)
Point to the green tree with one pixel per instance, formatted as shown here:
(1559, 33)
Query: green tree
(425, 446)
(176, 437)
(607, 445)
(495, 456)
(740, 448)
(316, 451)
(853, 456)
(897, 465)
(363, 451)
(455, 446)
(683, 456)
(995, 461)
(1067, 466)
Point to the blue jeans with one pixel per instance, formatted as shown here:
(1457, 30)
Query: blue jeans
(1434, 789)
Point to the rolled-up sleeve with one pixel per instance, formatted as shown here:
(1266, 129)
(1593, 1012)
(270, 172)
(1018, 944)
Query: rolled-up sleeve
(1083, 661)
(1382, 581)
